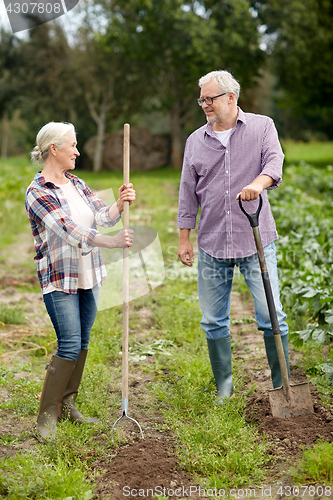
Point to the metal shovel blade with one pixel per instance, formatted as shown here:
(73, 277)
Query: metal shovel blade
(300, 401)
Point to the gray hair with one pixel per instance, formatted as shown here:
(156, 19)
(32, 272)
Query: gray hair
(51, 133)
(225, 81)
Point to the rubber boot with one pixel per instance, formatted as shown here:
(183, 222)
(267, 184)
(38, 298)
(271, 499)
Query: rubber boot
(58, 372)
(70, 393)
(220, 360)
(273, 360)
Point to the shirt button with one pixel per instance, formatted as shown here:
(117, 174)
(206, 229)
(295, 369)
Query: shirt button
(227, 171)
(227, 192)
(227, 151)
(228, 212)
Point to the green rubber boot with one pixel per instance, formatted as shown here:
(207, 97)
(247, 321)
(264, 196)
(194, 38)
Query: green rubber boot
(69, 411)
(58, 373)
(273, 360)
(220, 360)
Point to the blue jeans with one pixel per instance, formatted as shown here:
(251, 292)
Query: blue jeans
(73, 316)
(215, 278)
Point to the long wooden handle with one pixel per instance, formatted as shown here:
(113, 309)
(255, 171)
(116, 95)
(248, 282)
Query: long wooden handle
(272, 313)
(126, 167)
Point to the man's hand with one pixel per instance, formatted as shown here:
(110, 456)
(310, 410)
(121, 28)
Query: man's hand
(185, 249)
(253, 190)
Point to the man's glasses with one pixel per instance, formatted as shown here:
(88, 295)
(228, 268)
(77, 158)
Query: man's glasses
(209, 100)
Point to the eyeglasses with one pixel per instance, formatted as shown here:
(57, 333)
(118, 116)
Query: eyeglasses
(209, 100)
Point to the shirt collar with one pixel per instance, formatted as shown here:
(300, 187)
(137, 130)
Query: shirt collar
(241, 117)
(40, 179)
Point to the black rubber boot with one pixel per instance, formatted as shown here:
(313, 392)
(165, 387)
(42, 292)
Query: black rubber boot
(69, 411)
(273, 360)
(220, 360)
(58, 373)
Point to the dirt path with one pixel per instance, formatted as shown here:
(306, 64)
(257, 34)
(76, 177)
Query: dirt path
(142, 465)
(139, 465)
(287, 436)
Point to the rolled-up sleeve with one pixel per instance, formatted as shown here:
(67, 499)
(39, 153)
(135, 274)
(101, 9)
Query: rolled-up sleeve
(188, 201)
(271, 154)
(45, 210)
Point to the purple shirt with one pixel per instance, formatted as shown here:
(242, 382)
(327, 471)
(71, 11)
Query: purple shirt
(212, 177)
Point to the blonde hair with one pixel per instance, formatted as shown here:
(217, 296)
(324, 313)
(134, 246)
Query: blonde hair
(51, 133)
(225, 81)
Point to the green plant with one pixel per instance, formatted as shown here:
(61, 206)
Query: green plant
(11, 315)
(16, 175)
(30, 476)
(303, 213)
(213, 442)
(316, 464)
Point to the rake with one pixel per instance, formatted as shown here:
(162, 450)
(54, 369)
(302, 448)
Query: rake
(124, 373)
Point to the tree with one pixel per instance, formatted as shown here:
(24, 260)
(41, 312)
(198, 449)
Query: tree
(237, 37)
(36, 79)
(39, 82)
(177, 43)
(7, 91)
(300, 42)
(103, 74)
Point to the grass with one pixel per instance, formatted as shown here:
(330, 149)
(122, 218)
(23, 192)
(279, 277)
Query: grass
(15, 176)
(61, 469)
(317, 361)
(11, 315)
(213, 443)
(316, 465)
(316, 153)
(31, 475)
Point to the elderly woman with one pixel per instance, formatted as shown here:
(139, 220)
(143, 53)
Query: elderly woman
(63, 214)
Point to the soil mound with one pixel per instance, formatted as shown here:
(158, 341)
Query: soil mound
(145, 469)
(289, 434)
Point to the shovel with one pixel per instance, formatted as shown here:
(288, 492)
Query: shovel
(124, 372)
(291, 399)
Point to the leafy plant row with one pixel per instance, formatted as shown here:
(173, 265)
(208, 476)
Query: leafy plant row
(303, 211)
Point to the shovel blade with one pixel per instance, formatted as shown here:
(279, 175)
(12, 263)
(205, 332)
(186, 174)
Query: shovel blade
(300, 401)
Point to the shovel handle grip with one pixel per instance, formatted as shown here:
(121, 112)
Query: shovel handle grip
(253, 218)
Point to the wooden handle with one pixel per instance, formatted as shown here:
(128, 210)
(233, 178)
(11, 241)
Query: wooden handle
(126, 168)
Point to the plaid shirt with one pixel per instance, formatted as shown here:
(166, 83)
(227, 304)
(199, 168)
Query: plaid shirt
(58, 240)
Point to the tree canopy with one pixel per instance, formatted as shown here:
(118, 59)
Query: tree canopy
(149, 55)
(300, 42)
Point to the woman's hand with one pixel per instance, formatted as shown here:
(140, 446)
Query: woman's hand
(122, 239)
(126, 193)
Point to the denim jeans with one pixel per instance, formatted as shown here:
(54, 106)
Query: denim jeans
(215, 278)
(73, 316)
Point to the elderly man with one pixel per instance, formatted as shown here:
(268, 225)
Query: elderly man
(234, 155)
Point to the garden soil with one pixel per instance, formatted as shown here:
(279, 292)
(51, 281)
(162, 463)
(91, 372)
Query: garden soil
(143, 466)
(138, 468)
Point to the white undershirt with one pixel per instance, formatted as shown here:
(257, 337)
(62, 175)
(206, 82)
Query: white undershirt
(82, 215)
(223, 136)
